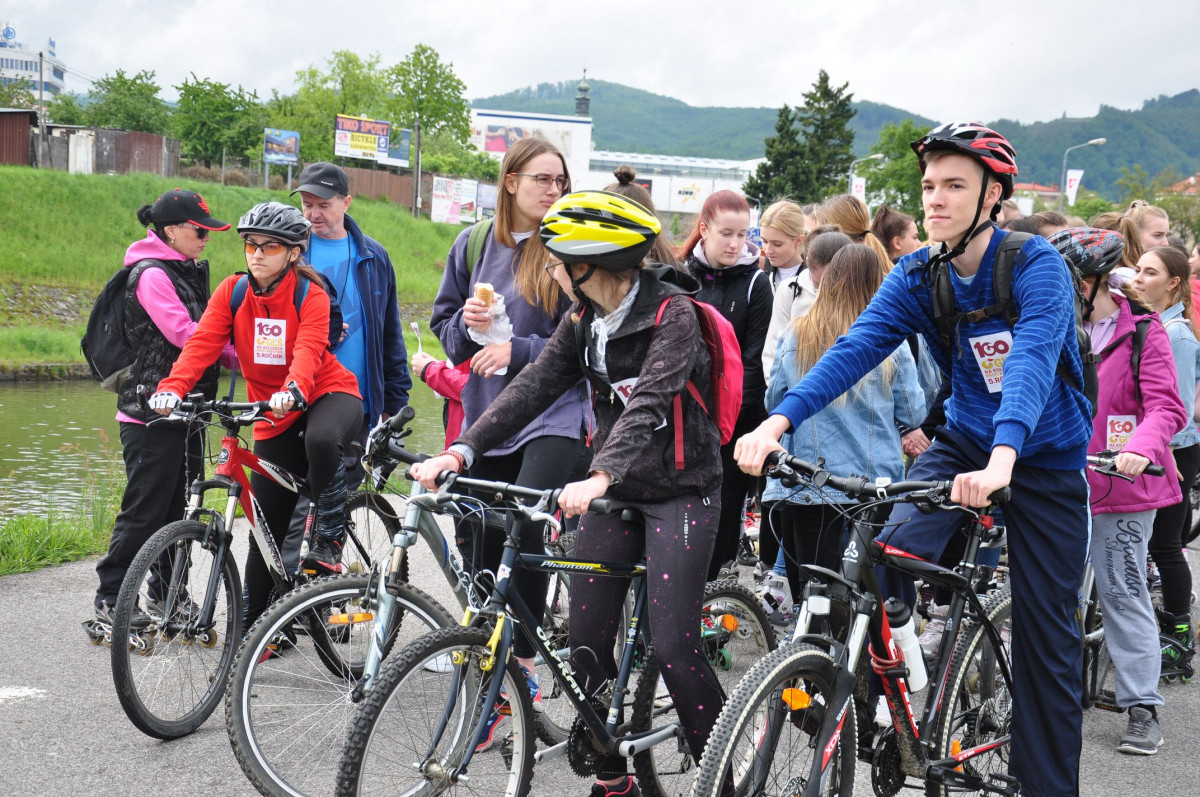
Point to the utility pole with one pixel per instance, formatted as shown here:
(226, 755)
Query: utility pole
(43, 144)
(416, 145)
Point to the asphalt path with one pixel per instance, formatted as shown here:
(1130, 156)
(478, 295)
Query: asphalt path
(62, 731)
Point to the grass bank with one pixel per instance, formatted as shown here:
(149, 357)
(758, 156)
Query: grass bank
(65, 235)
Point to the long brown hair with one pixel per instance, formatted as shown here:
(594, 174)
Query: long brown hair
(847, 287)
(533, 283)
(1120, 222)
(851, 215)
(1176, 264)
(660, 250)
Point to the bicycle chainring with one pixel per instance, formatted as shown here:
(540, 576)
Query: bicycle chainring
(887, 774)
(582, 754)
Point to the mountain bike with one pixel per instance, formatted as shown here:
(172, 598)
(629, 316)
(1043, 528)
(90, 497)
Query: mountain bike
(180, 604)
(420, 727)
(790, 726)
(288, 705)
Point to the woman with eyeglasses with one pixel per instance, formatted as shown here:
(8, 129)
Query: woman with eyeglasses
(166, 292)
(285, 357)
(511, 261)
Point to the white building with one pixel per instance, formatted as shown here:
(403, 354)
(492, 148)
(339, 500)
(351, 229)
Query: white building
(677, 184)
(21, 63)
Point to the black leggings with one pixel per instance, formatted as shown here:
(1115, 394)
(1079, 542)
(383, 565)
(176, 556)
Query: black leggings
(312, 445)
(541, 464)
(1171, 524)
(676, 537)
(811, 534)
(736, 484)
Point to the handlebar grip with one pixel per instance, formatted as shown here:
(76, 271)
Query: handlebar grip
(601, 506)
(401, 418)
(1002, 495)
(1155, 470)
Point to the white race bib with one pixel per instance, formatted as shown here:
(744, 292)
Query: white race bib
(990, 352)
(624, 389)
(1119, 429)
(270, 341)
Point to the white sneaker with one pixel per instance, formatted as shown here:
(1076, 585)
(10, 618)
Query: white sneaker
(883, 714)
(931, 638)
(440, 663)
(662, 695)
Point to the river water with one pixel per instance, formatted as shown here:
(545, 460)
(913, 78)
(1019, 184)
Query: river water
(55, 437)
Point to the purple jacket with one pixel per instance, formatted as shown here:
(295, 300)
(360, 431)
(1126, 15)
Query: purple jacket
(1143, 427)
(531, 329)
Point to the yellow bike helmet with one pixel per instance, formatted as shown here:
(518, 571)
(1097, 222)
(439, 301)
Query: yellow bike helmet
(599, 228)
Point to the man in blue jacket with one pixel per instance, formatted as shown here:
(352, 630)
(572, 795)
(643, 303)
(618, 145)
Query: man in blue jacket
(359, 270)
(1015, 418)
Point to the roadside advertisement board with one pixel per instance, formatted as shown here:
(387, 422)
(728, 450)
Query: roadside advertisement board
(281, 146)
(364, 138)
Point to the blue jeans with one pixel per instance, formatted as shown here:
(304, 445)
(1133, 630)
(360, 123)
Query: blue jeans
(1047, 522)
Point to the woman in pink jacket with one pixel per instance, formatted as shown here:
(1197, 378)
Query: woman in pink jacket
(1137, 418)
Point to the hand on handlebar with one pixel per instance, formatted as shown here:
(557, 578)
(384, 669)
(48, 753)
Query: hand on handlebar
(164, 402)
(427, 472)
(752, 449)
(576, 497)
(1130, 464)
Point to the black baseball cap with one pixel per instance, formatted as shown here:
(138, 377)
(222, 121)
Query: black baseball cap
(324, 180)
(178, 206)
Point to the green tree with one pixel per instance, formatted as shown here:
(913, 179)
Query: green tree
(211, 119)
(427, 91)
(67, 109)
(809, 156)
(129, 103)
(1088, 205)
(896, 180)
(778, 175)
(17, 94)
(824, 122)
(1183, 211)
(1135, 183)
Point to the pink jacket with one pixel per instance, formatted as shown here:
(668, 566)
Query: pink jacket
(1143, 427)
(448, 382)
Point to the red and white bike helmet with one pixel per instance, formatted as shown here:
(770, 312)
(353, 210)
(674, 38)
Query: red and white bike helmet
(979, 142)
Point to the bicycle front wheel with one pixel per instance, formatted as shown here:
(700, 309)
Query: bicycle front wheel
(766, 738)
(289, 699)
(417, 723)
(978, 705)
(372, 525)
(170, 672)
(735, 634)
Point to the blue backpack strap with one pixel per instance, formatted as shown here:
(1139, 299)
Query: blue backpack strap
(299, 292)
(236, 297)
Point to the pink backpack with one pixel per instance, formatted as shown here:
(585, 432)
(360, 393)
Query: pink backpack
(726, 382)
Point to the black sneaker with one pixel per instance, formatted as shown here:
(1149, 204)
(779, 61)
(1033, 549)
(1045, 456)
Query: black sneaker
(324, 558)
(627, 788)
(185, 609)
(1143, 736)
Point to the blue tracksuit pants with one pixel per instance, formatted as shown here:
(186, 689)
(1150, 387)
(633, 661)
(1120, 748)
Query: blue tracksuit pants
(1047, 523)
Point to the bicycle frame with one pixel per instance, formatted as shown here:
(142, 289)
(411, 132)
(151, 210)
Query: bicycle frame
(857, 586)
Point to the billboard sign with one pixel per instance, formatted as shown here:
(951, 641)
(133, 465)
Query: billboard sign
(360, 137)
(399, 149)
(281, 146)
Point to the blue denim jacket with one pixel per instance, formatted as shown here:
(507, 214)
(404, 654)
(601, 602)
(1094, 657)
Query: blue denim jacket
(858, 436)
(1186, 350)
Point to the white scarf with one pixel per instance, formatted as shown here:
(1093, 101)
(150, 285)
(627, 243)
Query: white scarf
(603, 326)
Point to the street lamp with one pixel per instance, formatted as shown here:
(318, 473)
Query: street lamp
(1062, 187)
(878, 156)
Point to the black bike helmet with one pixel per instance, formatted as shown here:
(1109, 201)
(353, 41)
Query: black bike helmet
(276, 220)
(602, 229)
(1092, 252)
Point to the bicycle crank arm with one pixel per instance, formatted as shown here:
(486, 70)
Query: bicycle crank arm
(630, 747)
(550, 753)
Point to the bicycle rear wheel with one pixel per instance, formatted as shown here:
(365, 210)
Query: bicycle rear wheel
(288, 706)
(766, 736)
(394, 745)
(374, 523)
(978, 709)
(170, 674)
(735, 635)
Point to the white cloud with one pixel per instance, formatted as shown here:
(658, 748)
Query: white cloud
(1025, 59)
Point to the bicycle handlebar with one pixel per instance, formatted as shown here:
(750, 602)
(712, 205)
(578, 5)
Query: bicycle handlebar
(1103, 462)
(785, 467)
(544, 500)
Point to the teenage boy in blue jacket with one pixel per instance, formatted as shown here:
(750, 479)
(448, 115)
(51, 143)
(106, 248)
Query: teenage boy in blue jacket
(1031, 435)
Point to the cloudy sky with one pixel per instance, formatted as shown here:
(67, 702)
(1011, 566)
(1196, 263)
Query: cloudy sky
(1043, 58)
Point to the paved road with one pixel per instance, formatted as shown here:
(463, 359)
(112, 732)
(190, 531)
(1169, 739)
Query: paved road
(62, 731)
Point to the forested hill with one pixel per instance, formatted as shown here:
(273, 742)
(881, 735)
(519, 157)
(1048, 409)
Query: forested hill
(631, 120)
(1163, 134)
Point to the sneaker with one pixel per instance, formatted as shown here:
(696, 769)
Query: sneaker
(746, 556)
(662, 695)
(1143, 736)
(775, 594)
(883, 714)
(728, 570)
(489, 738)
(324, 557)
(625, 788)
(931, 638)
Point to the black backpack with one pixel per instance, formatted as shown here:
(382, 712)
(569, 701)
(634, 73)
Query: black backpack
(299, 291)
(103, 343)
(1008, 256)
